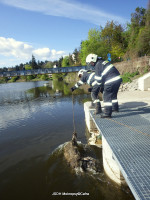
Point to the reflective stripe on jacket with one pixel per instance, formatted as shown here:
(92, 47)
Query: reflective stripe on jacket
(105, 72)
(88, 78)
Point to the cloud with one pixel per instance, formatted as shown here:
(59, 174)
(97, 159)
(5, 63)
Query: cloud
(11, 47)
(42, 53)
(46, 53)
(14, 52)
(66, 8)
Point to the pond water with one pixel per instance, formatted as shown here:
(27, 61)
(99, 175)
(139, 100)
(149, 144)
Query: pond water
(34, 121)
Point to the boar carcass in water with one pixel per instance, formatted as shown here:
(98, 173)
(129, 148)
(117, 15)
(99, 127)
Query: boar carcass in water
(79, 162)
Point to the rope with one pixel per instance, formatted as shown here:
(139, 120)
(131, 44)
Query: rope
(73, 115)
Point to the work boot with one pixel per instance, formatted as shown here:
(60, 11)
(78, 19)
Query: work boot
(115, 107)
(98, 109)
(115, 110)
(92, 106)
(105, 116)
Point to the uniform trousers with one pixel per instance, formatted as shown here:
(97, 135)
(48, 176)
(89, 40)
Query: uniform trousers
(110, 96)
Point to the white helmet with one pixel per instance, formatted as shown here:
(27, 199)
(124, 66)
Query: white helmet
(91, 58)
(81, 72)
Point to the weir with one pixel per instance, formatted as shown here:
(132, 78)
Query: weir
(126, 147)
(44, 71)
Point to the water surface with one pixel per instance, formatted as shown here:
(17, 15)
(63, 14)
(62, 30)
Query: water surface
(34, 121)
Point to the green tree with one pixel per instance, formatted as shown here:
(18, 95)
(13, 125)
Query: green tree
(48, 64)
(28, 67)
(34, 63)
(138, 17)
(71, 60)
(91, 45)
(84, 51)
(30, 77)
(65, 61)
(143, 44)
(109, 39)
(135, 29)
(77, 60)
(44, 77)
(113, 40)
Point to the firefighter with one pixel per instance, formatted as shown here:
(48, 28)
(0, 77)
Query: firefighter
(89, 78)
(107, 76)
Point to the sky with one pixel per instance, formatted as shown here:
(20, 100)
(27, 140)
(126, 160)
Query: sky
(50, 29)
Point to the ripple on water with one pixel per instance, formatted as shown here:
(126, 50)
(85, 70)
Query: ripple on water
(60, 178)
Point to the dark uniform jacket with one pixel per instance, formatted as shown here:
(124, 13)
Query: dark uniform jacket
(88, 78)
(105, 72)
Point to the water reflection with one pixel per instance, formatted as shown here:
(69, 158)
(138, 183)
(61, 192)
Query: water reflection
(55, 88)
(14, 92)
(18, 102)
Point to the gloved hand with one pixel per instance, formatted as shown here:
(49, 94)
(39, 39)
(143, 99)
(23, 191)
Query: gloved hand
(89, 89)
(73, 88)
(101, 89)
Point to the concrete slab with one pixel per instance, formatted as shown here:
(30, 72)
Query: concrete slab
(134, 98)
(144, 82)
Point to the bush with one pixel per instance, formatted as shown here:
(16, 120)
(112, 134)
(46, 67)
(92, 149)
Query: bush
(4, 80)
(127, 76)
(134, 74)
(147, 69)
(44, 77)
(29, 78)
(59, 76)
(125, 79)
(13, 79)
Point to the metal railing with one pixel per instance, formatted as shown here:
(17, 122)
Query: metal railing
(44, 71)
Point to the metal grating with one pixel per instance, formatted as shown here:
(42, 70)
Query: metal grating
(128, 134)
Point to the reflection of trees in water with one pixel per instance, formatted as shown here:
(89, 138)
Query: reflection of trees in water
(40, 91)
(60, 89)
(57, 89)
(81, 98)
(65, 88)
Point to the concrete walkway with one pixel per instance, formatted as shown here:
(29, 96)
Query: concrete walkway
(134, 98)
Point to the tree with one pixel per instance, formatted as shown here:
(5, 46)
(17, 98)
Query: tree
(143, 44)
(65, 61)
(71, 59)
(113, 40)
(109, 39)
(84, 51)
(91, 45)
(28, 67)
(77, 59)
(34, 63)
(138, 19)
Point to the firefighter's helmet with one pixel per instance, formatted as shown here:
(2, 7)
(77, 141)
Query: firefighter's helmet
(91, 58)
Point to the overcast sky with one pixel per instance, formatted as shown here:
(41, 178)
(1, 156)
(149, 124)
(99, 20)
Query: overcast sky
(49, 29)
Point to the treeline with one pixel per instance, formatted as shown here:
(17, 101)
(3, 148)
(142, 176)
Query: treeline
(71, 60)
(122, 42)
(32, 64)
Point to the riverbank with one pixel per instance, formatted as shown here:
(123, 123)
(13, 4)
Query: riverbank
(19, 80)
